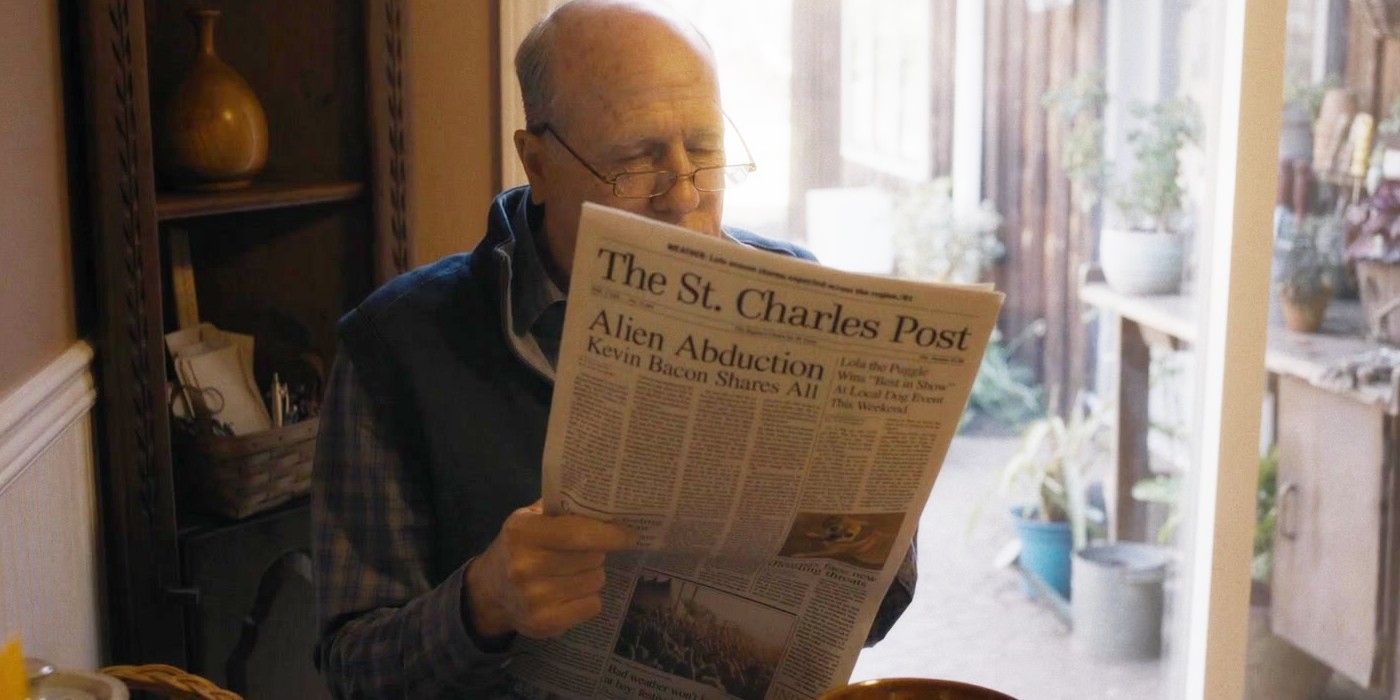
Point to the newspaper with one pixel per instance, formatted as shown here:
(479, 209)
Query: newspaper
(771, 427)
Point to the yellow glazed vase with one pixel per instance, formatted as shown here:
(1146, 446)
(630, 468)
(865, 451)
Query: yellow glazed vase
(213, 133)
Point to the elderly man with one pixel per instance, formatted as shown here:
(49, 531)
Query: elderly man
(432, 552)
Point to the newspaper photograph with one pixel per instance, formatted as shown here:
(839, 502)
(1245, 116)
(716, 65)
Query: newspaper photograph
(771, 428)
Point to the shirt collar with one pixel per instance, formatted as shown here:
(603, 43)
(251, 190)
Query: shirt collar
(532, 290)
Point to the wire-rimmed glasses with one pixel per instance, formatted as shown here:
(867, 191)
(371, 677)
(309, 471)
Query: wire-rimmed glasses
(646, 184)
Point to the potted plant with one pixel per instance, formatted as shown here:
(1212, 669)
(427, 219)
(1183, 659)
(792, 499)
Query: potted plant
(1049, 473)
(1144, 253)
(1374, 231)
(1305, 281)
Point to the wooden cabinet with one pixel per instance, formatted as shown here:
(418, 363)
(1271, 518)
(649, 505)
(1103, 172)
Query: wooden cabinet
(255, 626)
(1336, 579)
(281, 260)
(1333, 592)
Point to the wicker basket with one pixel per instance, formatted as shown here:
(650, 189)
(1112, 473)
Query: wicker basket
(239, 475)
(169, 682)
(1380, 299)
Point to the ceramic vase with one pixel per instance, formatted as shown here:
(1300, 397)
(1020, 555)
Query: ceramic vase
(213, 133)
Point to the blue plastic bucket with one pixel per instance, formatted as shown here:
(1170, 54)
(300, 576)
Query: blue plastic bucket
(1045, 549)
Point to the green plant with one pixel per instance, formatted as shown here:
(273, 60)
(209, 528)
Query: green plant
(1079, 105)
(937, 244)
(1169, 426)
(1165, 490)
(1265, 517)
(1005, 390)
(1306, 270)
(1153, 196)
(1054, 463)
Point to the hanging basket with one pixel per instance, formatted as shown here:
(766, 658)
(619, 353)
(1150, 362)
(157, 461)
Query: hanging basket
(1384, 16)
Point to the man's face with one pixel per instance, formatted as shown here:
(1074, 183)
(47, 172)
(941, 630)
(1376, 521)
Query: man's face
(631, 95)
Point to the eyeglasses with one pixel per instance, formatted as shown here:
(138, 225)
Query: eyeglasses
(646, 184)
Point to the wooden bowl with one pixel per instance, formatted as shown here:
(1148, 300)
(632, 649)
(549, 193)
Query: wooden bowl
(913, 689)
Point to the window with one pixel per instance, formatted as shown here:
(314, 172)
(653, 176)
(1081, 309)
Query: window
(847, 107)
(885, 87)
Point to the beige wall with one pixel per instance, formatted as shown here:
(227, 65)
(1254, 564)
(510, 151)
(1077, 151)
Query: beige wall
(50, 577)
(452, 112)
(36, 281)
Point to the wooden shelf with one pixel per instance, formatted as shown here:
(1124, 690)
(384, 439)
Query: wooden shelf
(1306, 356)
(198, 524)
(171, 206)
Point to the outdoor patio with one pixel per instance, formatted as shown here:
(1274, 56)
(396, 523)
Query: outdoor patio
(970, 621)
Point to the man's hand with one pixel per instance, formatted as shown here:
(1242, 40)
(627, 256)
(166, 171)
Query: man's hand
(542, 574)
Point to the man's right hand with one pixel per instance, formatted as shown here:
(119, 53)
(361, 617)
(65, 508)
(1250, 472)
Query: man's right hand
(542, 574)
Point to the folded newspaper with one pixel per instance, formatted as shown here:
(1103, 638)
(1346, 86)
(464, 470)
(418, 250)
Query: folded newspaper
(771, 427)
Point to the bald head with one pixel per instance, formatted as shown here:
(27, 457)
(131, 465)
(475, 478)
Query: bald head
(622, 87)
(582, 35)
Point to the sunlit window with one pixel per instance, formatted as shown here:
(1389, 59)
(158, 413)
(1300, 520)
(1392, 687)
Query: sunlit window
(885, 95)
(1099, 143)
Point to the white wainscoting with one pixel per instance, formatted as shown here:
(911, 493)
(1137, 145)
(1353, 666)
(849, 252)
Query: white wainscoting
(50, 577)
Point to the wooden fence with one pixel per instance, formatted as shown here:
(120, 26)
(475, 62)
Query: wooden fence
(1028, 52)
(1048, 239)
(1372, 64)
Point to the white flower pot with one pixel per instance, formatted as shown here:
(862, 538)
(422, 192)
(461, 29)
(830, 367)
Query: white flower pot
(1141, 262)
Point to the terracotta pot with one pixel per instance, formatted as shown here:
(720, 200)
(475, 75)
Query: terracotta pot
(1305, 316)
(213, 133)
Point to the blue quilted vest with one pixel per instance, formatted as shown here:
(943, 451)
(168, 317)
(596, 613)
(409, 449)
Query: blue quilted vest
(431, 349)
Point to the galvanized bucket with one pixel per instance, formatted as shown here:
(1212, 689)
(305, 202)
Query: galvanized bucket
(1117, 603)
